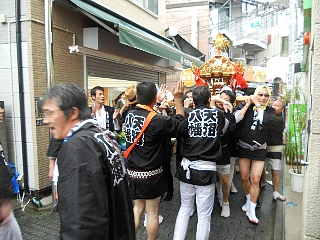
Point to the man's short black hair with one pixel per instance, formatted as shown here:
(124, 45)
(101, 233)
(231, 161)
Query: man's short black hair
(274, 98)
(230, 94)
(189, 91)
(201, 95)
(146, 92)
(94, 90)
(184, 97)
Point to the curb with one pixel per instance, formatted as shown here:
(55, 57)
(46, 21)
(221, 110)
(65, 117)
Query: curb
(272, 211)
(279, 224)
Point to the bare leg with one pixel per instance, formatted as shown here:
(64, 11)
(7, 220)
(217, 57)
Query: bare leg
(256, 171)
(275, 179)
(244, 164)
(224, 180)
(152, 209)
(138, 209)
(139, 206)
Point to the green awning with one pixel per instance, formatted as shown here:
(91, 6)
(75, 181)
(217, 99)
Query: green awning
(137, 37)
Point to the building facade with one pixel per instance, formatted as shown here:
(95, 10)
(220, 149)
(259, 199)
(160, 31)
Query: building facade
(192, 21)
(258, 33)
(113, 44)
(310, 61)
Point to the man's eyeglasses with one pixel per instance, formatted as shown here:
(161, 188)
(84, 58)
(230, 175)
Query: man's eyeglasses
(265, 95)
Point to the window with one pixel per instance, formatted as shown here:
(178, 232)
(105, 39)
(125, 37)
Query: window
(223, 16)
(269, 21)
(284, 46)
(151, 5)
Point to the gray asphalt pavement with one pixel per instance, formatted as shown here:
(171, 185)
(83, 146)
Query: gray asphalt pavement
(40, 224)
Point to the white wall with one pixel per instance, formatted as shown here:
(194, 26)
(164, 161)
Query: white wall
(9, 93)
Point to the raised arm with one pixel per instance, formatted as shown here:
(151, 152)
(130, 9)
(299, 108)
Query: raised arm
(177, 93)
(226, 105)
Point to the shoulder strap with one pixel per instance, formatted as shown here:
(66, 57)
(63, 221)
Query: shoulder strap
(146, 123)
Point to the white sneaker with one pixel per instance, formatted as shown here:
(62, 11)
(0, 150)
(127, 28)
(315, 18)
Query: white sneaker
(233, 188)
(225, 212)
(160, 217)
(237, 169)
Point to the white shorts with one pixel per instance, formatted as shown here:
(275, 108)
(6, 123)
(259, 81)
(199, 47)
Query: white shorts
(275, 163)
(223, 169)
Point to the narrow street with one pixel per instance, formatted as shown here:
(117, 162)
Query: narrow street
(40, 224)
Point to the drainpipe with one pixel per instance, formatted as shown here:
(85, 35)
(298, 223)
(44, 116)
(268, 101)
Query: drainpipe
(21, 100)
(50, 71)
(48, 38)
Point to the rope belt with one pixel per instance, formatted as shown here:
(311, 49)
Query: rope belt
(143, 175)
(197, 165)
(252, 147)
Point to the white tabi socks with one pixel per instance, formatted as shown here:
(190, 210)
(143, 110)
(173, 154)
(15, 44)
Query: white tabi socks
(251, 213)
(246, 206)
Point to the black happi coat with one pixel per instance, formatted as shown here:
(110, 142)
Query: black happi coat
(251, 130)
(149, 152)
(275, 136)
(277, 127)
(94, 203)
(227, 139)
(205, 126)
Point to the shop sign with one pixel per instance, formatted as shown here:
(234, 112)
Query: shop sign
(187, 77)
(255, 74)
(297, 112)
(186, 62)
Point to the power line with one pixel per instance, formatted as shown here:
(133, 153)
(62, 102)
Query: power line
(274, 6)
(199, 12)
(220, 23)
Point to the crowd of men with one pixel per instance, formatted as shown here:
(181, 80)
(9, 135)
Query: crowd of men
(96, 185)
